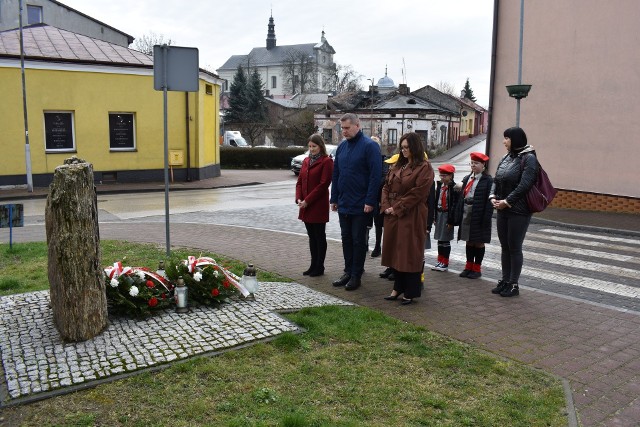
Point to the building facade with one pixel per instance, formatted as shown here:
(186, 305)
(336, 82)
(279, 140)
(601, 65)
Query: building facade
(388, 116)
(286, 70)
(96, 100)
(61, 16)
(581, 58)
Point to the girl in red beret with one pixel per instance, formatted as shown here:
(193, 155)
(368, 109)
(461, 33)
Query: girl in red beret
(473, 214)
(444, 216)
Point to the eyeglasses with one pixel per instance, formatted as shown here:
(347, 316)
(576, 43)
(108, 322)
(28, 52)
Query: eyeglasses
(404, 147)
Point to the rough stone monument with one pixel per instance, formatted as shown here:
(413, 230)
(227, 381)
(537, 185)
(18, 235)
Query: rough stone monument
(78, 293)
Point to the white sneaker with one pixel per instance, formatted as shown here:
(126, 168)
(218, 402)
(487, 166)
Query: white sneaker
(440, 267)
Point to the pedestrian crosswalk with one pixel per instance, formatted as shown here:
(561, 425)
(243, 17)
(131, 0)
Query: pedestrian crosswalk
(598, 262)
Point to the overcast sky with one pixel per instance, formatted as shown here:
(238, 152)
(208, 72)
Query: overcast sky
(433, 40)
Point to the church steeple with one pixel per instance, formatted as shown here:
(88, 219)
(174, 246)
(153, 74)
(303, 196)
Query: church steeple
(271, 34)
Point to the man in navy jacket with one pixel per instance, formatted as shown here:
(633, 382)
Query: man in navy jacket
(354, 194)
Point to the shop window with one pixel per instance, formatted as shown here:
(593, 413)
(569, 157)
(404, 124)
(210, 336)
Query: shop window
(122, 135)
(59, 132)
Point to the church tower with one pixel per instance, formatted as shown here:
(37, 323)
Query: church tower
(271, 34)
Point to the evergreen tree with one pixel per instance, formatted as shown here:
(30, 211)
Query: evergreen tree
(238, 102)
(468, 92)
(256, 108)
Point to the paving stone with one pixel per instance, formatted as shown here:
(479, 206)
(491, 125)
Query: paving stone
(27, 334)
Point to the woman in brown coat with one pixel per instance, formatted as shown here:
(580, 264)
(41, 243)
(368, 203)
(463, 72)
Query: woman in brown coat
(404, 203)
(312, 197)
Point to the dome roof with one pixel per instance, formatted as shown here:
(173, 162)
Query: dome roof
(386, 82)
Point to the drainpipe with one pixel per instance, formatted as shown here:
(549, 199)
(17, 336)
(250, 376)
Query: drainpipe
(492, 79)
(186, 97)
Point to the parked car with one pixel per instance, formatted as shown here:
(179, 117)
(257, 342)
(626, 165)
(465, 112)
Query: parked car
(233, 138)
(296, 162)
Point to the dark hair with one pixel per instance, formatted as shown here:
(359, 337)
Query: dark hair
(415, 148)
(317, 139)
(518, 138)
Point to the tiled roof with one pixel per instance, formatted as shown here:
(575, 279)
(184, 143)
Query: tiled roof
(261, 56)
(302, 101)
(51, 43)
(403, 102)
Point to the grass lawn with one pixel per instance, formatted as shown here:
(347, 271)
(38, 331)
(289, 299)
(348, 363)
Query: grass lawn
(353, 367)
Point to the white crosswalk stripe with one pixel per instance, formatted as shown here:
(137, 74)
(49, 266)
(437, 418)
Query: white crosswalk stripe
(571, 270)
(582, 251)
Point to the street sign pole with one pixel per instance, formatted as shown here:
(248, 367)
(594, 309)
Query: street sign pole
(174, 68)
(166, 149)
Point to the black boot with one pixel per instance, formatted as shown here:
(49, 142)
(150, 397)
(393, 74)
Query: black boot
(500, 287)
(510, 291)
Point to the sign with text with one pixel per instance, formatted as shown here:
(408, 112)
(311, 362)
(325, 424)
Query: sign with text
(11, 216)
(121, 135)
(58, 130)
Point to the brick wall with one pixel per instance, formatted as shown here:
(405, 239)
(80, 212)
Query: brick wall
(595, 202)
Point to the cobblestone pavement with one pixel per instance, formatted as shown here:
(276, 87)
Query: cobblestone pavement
(38, 364)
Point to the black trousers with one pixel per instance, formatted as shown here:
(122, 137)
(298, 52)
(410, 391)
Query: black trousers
(408, 284)
(317, 244)
(511, 231)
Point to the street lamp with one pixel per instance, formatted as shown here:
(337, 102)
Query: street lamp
(519, 91)
(371, 106)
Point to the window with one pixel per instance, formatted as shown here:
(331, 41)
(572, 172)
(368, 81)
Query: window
(392, 136)
(34, 15)
(273, 82)
(122, 136)
(208, 89)
(59, 134)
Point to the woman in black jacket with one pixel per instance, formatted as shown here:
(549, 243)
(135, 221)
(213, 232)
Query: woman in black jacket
(474, 213)
(515, 175)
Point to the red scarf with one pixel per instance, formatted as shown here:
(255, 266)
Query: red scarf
(469, 185)
(443, 197)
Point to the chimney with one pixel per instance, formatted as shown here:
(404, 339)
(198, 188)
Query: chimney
(403, 89)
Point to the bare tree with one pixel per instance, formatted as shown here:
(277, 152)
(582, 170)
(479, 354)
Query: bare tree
(145, 43)
(300, 72)
(446, 87)
(347, 79)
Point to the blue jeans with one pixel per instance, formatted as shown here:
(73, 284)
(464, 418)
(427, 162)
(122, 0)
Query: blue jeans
(353, 230)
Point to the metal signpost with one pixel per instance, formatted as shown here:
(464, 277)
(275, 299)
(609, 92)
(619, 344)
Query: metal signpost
(176, 69)
(11, 216)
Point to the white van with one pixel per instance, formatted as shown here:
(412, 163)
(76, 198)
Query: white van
(233, 138)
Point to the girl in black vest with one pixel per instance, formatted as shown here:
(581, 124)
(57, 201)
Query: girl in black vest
(474, 213)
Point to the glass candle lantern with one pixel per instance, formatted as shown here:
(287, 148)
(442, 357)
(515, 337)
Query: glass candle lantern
(181, 294)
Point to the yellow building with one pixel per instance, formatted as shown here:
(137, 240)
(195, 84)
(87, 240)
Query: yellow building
(96, 100)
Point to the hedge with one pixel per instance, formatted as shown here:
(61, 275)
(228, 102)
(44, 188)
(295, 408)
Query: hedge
(258, 157)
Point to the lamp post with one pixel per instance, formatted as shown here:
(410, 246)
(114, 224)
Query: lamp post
(371, 107)
(519, 91)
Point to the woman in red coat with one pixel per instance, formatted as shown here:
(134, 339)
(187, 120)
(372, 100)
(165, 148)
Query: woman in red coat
(312, 197)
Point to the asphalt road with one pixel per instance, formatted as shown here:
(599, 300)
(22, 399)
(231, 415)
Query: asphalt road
(593, 266)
